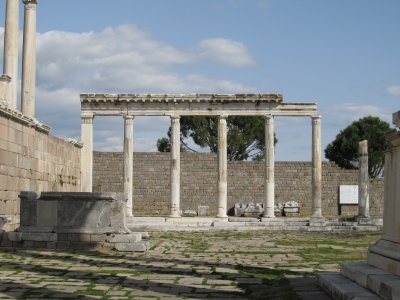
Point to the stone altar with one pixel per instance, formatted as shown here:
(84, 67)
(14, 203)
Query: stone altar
(71, 220)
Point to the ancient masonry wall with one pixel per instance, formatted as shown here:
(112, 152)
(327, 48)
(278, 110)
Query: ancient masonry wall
(31, 160)
(151, 177)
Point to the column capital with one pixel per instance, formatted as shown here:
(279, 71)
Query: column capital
(175, 118)
(269, 119)
(30, 4)
(128, 117)
(87, 119)
(317, 117)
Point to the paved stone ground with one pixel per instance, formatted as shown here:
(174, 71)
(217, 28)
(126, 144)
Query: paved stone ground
(186, 265)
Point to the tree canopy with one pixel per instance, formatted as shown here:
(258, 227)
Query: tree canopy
(344, 149)
(245, 138)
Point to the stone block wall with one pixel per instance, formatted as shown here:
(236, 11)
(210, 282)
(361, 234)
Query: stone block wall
(32, 160)
(151, 190)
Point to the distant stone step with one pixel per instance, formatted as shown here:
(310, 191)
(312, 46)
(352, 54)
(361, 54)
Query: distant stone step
(342, 288)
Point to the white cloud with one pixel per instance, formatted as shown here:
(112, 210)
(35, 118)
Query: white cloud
(124, 59)
(393, 90)
(224, 51)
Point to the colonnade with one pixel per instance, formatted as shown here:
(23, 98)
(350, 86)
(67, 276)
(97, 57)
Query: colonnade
(269, 184)
(10, 58)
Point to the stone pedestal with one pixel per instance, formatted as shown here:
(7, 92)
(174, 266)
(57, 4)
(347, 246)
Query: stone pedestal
(385, 254)
(83, 221)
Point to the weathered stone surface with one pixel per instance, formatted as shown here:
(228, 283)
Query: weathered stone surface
(132, 247)
(189, 213)
(339, 287)
(203, 210)
(245, 183)
(248, 210)
(124, 238)
(39, 236)
(74, 212)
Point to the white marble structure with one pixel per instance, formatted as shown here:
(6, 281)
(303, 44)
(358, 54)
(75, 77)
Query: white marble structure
(221, 106)
(9, 79)
(10, 59)
(29, 60)
(385, 254)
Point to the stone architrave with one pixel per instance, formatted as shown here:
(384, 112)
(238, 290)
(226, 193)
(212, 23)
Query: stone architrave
(316, 168)
(87, 153)
(385, 253)
(363, 181)
(222, 167)
(10, 63)
(128, 163)
(29, 59)
(269, 184)
(175, 167)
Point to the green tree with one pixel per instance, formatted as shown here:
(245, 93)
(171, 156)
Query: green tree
(246, 138)
(344, 149)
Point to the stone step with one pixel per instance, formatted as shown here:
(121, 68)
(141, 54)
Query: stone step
(382, 283)
(342, 288)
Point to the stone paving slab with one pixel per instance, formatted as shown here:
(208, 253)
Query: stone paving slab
(204, 265)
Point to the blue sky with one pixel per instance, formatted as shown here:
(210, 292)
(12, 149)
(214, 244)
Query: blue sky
(344, 55)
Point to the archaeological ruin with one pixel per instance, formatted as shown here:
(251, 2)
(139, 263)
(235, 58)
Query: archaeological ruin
(53, 171)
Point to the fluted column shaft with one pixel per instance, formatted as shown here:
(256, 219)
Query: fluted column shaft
(222, 167)
(10, 63)
(363, 180)
(269, 184)
(316, 168)
(175, 166)
(29, 59)
(128, 163)
(87, 153)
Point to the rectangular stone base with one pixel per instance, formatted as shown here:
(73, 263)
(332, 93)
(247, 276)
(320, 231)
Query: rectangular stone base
(385, 255)
(75, 241)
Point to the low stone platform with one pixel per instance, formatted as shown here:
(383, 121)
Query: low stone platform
(358, 280)
(247, 224)
(75, 241)
(74, 221)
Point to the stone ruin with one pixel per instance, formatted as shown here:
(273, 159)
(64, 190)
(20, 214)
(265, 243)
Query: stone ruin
(68, 220)
(379, 277)
(256, 210)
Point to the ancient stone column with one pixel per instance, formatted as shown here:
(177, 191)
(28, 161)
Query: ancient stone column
(128, 163)
(316, 168)
(175, 167)
(10, 63)
(29, 59)
(222, 168)
(363, 181)
(87, 153)
(269, 183)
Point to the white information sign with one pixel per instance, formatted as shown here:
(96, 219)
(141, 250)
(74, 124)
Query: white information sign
(348, 194)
